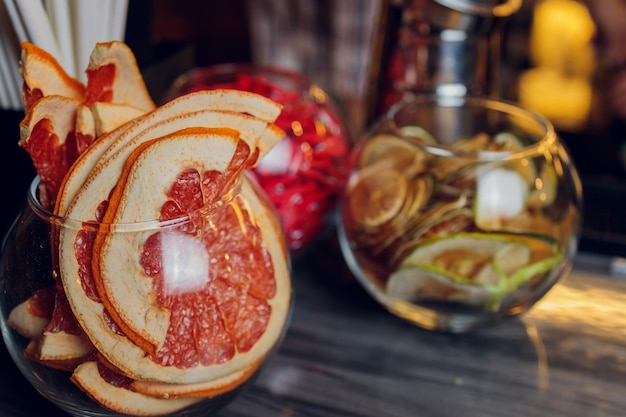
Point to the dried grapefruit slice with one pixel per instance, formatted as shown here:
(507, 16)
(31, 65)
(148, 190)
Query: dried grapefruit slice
(62, 346)
(109, 116)
(44, 76)
(101, 179)
(27, 324)
(133, 361)
(233, 101)
(202, 389)
(30, 317)
(63, 339)
(253, 296)
(113, 77)
(83, 165)
(47, 134)
(85, 129)
(139, 311)
(89, 378)
(100, 167)
(218, 100)
(100, 119)
(32, 350)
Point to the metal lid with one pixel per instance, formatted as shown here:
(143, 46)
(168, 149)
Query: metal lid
(485, 8)
(472, 16)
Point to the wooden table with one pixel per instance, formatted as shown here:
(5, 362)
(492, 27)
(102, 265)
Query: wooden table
(343, 355)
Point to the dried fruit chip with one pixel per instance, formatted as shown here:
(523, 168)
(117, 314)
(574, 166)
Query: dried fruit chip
(44, 76)
(123, 400)
(47, 134)
(203, 389)
(377, 195)
(114, 77)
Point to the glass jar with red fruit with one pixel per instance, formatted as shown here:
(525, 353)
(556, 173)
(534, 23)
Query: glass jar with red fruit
(306, 172)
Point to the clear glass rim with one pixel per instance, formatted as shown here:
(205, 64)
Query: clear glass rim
(147, 225)
(200, 74)
(503, 8)
(495, 104)
(234, 68)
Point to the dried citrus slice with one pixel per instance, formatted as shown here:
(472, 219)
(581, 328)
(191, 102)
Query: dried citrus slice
(47, 134)
(203, 389)
(32, 352)
(44, 76)
(63, 339)
(244, 284)
(131, 358)
(217, 100)
(30, 317)
(120, 399)
(25, 322)
(82, 166)
(55, 346)
(402, 155)
(114, 77)
(138, 310)
(133, 361)
(425, 283)
(102, 179)
(376, 195)
(419, 134)
(85, 129)
(109, 116)
(101, 165)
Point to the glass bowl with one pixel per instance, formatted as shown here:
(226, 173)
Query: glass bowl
(306, 172)
(60, 328)
(459, 211)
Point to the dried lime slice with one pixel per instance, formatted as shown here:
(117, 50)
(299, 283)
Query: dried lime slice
(452, 268)
(428, 283)
(419, 133)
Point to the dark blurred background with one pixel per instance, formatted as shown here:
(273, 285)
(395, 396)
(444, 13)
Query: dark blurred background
(549, 63)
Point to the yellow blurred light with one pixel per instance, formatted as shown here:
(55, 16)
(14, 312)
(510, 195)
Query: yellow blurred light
(561, 36)
(566, 101)
(559, 86)
(296, 128)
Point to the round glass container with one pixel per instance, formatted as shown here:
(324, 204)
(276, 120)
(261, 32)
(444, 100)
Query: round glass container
(459, 211)
(306, 172)
(60, 328)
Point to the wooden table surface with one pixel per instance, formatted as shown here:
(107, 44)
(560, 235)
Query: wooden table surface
(343, 355)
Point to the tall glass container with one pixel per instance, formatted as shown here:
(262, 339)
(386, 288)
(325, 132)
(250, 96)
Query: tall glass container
(441, 47)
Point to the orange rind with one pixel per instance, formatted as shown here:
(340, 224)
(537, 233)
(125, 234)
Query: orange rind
(44, 76)
(114, 77)
(123, 400)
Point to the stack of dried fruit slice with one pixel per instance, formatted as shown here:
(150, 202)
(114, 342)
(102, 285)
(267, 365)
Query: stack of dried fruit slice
(173, 271)
(484, 219)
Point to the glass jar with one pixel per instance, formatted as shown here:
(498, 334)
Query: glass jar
(66, 325)
(443, 47)
(306, 172)
(460, 211)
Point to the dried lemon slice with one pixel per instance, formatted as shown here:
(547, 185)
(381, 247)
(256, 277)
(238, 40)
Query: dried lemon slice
(399, 154)
(377, 196)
